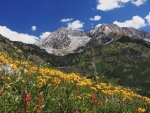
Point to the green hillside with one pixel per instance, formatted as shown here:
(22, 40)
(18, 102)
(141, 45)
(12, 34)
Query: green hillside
(125, 61)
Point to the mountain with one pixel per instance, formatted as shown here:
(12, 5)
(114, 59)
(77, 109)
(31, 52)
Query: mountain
(105, 33)
(63, 41)
(113, 28)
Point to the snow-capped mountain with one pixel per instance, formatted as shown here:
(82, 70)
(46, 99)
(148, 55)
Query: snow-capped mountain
(64, 41)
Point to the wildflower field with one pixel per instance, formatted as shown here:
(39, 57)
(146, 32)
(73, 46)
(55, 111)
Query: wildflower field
(35, 89)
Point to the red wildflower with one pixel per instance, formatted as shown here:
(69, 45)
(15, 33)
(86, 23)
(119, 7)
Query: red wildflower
(26, 98)
(96, 102)
(23, 110)
(37, 110)
(40, 99)
(93, 97)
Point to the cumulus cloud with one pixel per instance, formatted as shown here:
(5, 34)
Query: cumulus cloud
(96, 18)
(15, 36)
(44, 35)
(106, 5)
(138, 2)
(33, 28)
(66, 19)
(75, 25)
(135, 22)
(148, 18)
(98, 25)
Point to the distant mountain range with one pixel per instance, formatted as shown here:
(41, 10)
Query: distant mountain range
(64, 41)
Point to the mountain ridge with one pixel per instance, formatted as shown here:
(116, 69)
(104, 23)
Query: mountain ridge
(64, 41)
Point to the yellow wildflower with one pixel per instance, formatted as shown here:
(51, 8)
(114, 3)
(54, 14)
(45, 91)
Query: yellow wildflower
(89, 95)
(56, 80)
(79, 97)
(98, 86)
(93, 88)
(40, 84)
(22, 81)
(8, 78)
(49, 84)
(141, 110)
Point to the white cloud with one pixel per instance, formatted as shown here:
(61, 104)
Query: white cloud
(44, 35)
(98, 25)
(95, 18)
(33, 28)
(106, 5)
(66, 19)
(15, 36)
(148, 18)
(138, 2)
(75, 25)
(135, 22)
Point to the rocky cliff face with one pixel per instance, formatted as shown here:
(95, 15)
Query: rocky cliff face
(137, 34)
(64, 41)
(57, 40)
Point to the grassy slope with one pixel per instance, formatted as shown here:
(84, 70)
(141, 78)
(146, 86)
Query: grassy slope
(125, 61)
(49, 90)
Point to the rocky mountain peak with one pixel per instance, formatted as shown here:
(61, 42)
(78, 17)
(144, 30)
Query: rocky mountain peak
(62, 30)
(64, 41)
(106, 29)
(105, 34)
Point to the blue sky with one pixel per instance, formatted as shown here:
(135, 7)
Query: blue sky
(31, 20)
